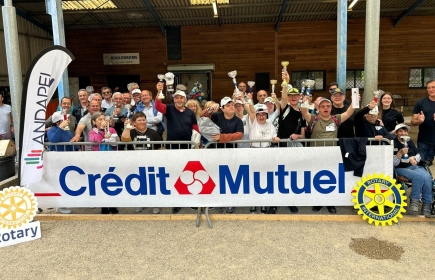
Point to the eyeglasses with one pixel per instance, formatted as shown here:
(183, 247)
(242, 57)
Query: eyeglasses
(261, 115)
(325, 106)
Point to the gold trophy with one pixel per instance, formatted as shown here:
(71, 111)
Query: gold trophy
(284, 69)
(273, 83)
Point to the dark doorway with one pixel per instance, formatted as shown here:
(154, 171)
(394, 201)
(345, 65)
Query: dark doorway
(121, 81)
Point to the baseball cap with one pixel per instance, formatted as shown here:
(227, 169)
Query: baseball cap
(225, 101)
(292, 91)
(179, 92)
(372, 112)
(269, 99)
(181, 87)
(238, 102)
(261, 108)
(401, 125)
(136, 91)
(57, 116)
(336, 90)
(324, 99)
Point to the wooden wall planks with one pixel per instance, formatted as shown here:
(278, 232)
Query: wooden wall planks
(251, 48)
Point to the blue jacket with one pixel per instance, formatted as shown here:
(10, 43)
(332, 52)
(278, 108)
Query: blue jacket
(56, 135)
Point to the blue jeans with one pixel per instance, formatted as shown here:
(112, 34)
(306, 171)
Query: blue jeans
(426, 151)
(421, 182)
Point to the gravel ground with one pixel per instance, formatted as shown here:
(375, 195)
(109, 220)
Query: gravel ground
(232, 249)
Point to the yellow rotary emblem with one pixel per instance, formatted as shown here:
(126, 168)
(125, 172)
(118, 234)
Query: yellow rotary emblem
(379, 199)
(17, 207)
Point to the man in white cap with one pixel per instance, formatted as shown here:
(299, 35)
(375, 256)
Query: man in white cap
(59, 132)
(231, 127)
(409, 168)
(180, 121)
(136, 98)
(368, 125)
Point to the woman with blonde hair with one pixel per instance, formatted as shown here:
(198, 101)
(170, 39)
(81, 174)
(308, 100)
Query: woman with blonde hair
(388, 113)
(194, 105)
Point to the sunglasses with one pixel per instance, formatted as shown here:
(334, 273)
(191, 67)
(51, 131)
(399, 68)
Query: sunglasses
(106, 92)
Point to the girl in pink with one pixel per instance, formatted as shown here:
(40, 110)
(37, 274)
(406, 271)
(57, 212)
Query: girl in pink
(100, 133)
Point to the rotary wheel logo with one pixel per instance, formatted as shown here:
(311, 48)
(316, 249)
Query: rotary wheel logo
(379, 199)
(194, 180)
(17, 207)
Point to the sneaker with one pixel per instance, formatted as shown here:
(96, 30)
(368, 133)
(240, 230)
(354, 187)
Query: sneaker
(293, 209)
(138, 209)
(193, 208)
(176, 210)
(113, 210)
(105, 210)
(263, 210)
(317, 208)
(63, 210)
(253, 209)
(331, 209)
(230, 210)
(156, 210)
(272, 210)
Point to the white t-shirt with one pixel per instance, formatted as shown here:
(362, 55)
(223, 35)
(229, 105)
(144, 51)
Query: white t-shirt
(245, 121)
(258, 131)
(5, 118)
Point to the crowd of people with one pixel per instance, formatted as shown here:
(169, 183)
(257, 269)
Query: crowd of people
(137, 116)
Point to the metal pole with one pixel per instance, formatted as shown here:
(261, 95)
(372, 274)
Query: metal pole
(341, 43)
(373, 9)
(14, 64)
(54, 8)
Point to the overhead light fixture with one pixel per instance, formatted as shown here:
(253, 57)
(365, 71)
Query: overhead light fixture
(351, 5)
(87, 5)
(215, 11)
(208, 2)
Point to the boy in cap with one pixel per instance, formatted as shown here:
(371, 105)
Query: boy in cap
(231, 127)
(368, 125)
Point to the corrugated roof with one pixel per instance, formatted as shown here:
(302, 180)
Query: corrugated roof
(134, 13)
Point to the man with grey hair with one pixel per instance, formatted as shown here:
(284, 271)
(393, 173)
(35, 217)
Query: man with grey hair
(132, 86)
(85, 124)
(117, 113)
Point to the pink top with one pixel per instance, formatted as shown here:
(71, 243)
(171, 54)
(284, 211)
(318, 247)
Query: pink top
(98, 137)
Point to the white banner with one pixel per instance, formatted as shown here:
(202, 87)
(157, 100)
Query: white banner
(206, 177)
(121, 58)
(41, 81)
(28, 232)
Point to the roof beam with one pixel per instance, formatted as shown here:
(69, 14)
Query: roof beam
(195, 7)
(30, 19)
(245, 16)
(408, 11)
(281, 12)
(155, 16)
